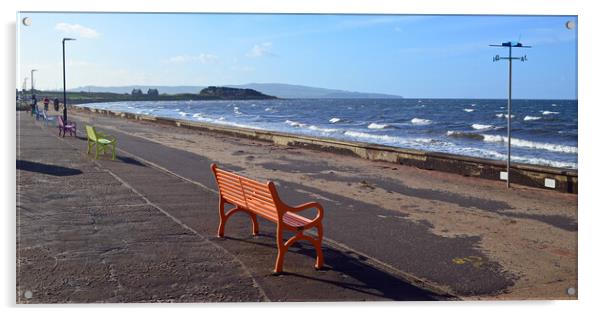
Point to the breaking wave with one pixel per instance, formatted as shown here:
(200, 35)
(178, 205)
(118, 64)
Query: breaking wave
(419, 121)
(533, 145)
(532, 118)
(377, 126)
(295, 124)
(481, 126)
(469, 135)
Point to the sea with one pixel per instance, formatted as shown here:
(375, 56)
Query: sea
(544, 132)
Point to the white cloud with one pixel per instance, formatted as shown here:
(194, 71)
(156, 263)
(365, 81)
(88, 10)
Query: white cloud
(207, 58)
(260, 50)
(177, 59)
(76, 29)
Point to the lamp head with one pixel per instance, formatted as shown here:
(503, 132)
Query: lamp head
(68, 39)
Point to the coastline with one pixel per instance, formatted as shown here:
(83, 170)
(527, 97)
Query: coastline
(544, 177)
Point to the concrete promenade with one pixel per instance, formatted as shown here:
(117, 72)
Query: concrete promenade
(141, 229)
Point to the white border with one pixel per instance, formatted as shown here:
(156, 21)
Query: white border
(590, 101)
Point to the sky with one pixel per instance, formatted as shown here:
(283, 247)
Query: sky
(415, 56)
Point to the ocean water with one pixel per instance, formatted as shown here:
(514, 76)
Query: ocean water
(544, 132)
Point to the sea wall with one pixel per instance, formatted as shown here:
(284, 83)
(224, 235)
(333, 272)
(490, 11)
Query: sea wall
(550, 178)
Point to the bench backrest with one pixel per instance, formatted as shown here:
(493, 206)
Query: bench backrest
(91, 131)
(260, 198)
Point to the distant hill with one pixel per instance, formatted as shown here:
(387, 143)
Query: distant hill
(128, 89)
(228, 93)
(290, 91)
(279, 90)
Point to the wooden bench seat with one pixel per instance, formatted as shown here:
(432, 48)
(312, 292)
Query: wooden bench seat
(261, 199)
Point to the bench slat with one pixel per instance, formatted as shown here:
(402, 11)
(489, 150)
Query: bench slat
(234, 200)
(255, 184)
(233, 182)
(228, 175)
(268, 208)
(264, 190)
(260, 204)
(251, 193)
(230, 187)
(294, 219)
(234, 192)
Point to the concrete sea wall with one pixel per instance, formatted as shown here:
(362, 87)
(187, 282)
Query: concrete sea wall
(558, 179)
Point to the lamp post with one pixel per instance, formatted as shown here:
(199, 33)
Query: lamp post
(509, 115)
(64, 81)
(32, 71)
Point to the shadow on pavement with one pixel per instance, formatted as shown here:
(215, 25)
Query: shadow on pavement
(362, 277)
(52, 170)
(130, 161)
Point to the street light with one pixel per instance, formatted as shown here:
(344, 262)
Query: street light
(509, 58)
(64, 81)
(32, 71)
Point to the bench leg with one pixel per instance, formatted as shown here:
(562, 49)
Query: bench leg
(222, 219)
(316, 242)
(281, 251)
(318, 245)
(255, 229)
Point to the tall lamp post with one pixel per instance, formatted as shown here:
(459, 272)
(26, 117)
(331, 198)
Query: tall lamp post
(64, 81)
(509, 115)
(32, 71)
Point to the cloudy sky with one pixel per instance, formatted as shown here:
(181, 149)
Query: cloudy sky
(412, 56)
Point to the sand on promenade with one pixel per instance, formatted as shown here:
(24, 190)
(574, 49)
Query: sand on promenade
(531, 233)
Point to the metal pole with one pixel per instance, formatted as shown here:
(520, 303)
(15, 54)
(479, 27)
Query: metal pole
(32, 80)
(64, 87)
(509, 113)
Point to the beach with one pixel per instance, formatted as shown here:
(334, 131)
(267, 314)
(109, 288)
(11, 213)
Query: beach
(472, 237)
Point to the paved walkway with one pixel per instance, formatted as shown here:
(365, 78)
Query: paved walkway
(414, 253)
(134, 230)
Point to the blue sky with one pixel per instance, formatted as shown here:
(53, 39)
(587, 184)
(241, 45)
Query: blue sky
(412, 56)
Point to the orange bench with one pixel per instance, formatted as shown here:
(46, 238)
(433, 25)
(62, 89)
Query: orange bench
(256, 198)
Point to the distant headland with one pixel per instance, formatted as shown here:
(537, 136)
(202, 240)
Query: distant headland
(152, 94)
(226, 93)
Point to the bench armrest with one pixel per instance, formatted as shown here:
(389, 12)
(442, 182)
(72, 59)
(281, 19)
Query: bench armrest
(305, 206)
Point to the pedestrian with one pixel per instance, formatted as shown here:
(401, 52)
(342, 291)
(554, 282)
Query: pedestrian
(46, 102)
(34, 102)
(56, 104)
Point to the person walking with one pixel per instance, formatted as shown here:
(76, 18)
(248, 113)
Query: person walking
(56, 104)
(46, 102)
(34, 101)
